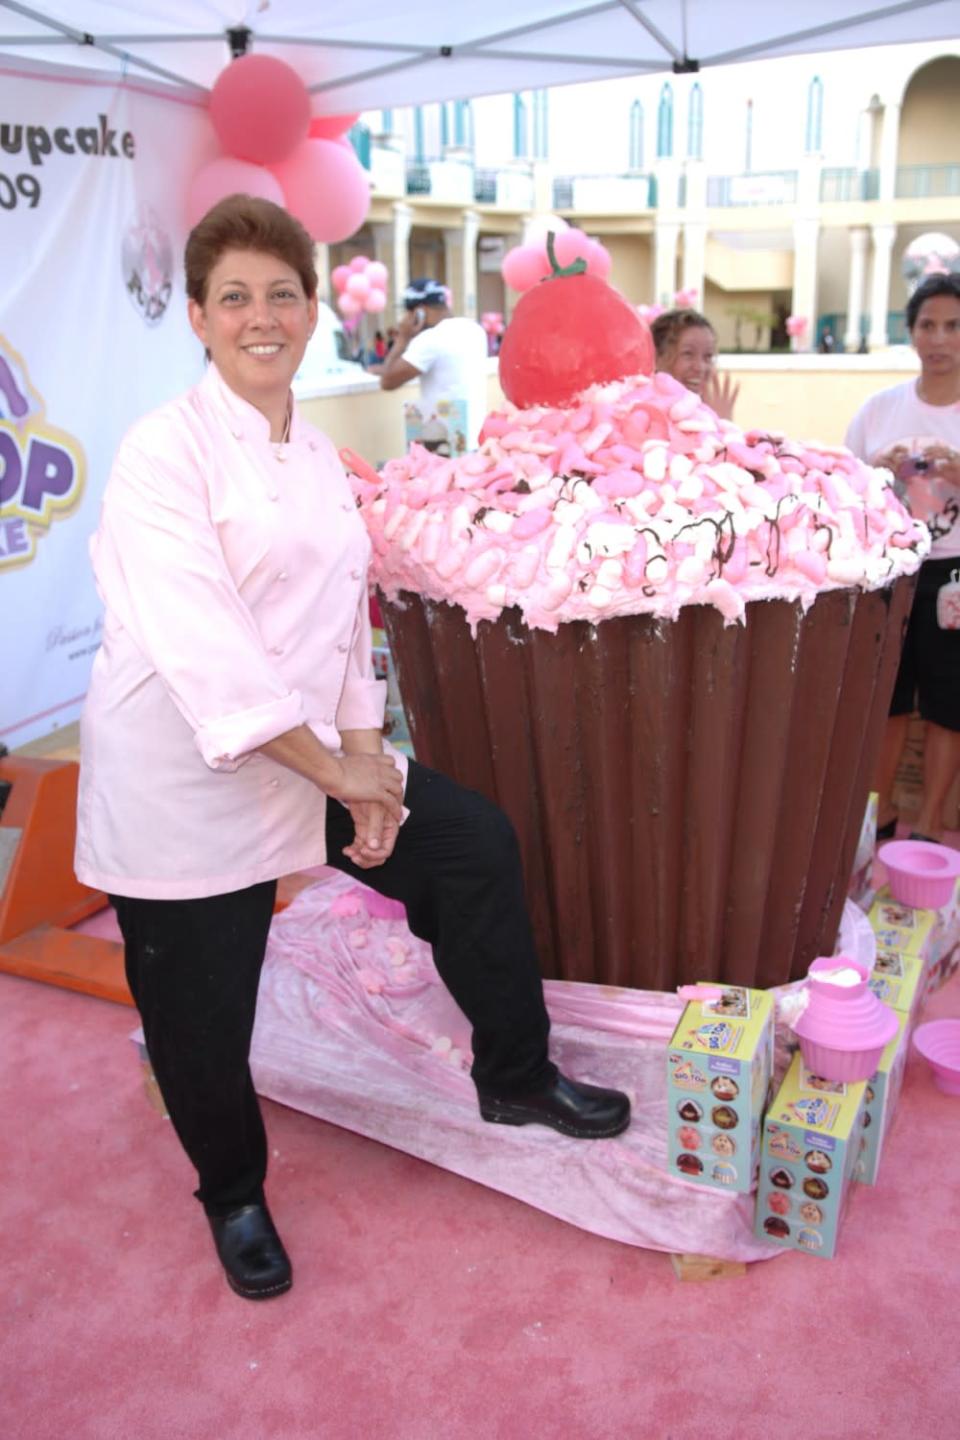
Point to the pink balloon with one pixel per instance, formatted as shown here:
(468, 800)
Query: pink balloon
(348, 304)
(339, 276)
(571, 245)
(358, 285)
(524, 265)
(375, 302)
(260, 109)
(377, 274)
(326, 188)
(225, 176)
(331, 127)
(598, 260)
(357, 264)
(537, 230)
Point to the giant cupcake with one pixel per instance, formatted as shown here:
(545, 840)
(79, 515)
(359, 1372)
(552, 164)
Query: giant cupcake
(665, 645)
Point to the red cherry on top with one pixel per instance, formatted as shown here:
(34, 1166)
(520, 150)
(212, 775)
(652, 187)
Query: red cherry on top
(569, 331)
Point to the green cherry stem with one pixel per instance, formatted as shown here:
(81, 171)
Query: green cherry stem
(577, 267)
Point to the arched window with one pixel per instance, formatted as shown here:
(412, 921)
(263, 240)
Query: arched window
(665, 123)
(695, 123)
(462, 124)
(541, 145)
(636, 135)
(519, 128)
(814, 137)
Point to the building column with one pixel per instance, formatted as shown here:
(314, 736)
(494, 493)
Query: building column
(321, 259)
(806, 238)
(453, 268)
(399, 254)
(665, 236)
(460, 259)
(883, 238)
(889, 146)
(858, 252)
(693, 266)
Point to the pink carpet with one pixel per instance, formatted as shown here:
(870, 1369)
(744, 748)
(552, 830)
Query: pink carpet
(425, 1305)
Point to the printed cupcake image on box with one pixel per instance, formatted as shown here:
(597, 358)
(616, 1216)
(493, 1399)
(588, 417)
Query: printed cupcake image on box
(722, 1048)
(880, 1103)
(811, 1146)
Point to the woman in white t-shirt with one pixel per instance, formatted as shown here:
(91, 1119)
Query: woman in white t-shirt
(913, 430)
(447, 353)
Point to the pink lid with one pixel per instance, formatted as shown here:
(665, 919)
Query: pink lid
(843, 1013)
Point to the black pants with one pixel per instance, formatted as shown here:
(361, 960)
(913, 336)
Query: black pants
(193, 967)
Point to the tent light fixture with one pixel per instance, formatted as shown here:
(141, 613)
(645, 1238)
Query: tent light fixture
(238, 38)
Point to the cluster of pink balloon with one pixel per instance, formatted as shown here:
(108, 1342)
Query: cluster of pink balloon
(682, 300)
(526, 265)
(274, 149)
(360, 286)
(492, 322)
(795, 325)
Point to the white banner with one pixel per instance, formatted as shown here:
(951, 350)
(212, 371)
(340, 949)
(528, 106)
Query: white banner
(93, 333)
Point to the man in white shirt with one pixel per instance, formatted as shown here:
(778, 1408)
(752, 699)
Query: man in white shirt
(448, 355)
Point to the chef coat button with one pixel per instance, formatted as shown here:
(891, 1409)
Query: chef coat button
(281, 574)
(314, 445)
(237, 434)
(328, 719)
(354, 574)
(277, 650)
(343, 649)
(274, 784)
(347, 506)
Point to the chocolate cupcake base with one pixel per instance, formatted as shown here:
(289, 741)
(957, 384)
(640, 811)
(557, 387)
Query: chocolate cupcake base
(687, 795)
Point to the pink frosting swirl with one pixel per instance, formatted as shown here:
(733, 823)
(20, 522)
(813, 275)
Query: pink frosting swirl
(636, 499)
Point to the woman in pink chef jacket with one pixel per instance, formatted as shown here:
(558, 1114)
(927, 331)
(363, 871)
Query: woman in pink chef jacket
(232, 734)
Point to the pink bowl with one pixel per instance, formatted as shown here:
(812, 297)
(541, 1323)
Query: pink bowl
(939, 1043)
(921, 874)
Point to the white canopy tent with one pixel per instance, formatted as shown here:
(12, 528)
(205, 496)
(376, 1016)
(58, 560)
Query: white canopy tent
(376, 54)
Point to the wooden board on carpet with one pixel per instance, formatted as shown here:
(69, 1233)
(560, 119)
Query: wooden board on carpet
(705, 1267)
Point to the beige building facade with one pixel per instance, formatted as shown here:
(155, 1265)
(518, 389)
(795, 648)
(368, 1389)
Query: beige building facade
(813, 239)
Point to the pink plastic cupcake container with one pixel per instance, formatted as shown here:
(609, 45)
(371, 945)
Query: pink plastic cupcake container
(939, 1043)
(845, 1028)
(920, 873)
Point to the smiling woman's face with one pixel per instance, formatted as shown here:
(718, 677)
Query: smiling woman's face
(692, 357)
(255, 321)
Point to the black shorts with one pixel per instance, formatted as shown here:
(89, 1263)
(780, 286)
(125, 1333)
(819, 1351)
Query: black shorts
(929, 676)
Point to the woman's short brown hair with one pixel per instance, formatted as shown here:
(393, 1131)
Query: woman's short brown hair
(668, 327)
(242, 222)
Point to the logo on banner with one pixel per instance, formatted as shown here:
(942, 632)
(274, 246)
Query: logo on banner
(147, 259)
(42, 469)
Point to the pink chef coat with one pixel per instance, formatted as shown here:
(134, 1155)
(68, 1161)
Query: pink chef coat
(234, 576)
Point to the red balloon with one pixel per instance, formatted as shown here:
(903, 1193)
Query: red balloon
(331, 127)
(570, 332)
(326, 188)
(260, 109)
